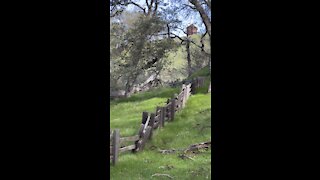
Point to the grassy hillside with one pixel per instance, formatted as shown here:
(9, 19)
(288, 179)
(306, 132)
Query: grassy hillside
(126, 114)
(191, 125)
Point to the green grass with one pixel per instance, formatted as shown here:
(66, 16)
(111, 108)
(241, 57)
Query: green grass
(191, 125)
(126, 114)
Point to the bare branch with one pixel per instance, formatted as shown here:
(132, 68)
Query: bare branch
(116, 13)
(113, 8)
(168, 28)
(182, 30)
(137, 5)
(201, 47)
(173, 35)
(149, 7)
(187, 5)
(155, 8)
(128, 3)
(201, 41)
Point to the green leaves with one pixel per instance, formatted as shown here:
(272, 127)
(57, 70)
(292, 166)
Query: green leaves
(137, 50)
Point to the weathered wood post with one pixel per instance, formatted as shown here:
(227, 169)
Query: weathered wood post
(188, 90)
(186, 93)
(116, 145)
(158, 120)
(167, 114)
(184, 90)
(145, 137)
(138, 143)
(144, 117)
(193, 86)
(162, 117)
(173, 107)
(151, 124)
(157, 110)
(209, 90)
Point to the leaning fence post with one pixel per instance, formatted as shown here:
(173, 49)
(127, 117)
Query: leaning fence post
(116, 144)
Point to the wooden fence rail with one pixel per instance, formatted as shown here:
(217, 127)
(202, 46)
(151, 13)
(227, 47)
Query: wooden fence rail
(149, 122)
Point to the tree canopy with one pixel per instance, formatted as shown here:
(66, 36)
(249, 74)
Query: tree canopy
(143, 34)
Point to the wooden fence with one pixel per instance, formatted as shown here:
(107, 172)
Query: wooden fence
(150, 122)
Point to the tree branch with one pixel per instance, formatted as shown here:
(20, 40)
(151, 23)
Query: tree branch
(137, 5)
(182, 30)
(205, 18)
(187, 5)
(208, 2)
(172, 35)
(155, 8)
(149, 7)
(201, 41)
(116, 13)
(122, 3)
(168, 28)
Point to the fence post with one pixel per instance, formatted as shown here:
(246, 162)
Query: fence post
(184, 89)
(144, 117)
(161, 118)
(172, 107)
(193, 86)
(116, 144)
(157, 110)
(145, 137)
(189, 90)
(151, 124)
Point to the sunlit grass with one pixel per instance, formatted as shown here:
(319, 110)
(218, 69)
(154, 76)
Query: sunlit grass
(191, 125)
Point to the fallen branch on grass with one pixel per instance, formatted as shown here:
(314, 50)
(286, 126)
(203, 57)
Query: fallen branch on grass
(193, 147)
(169, 151)
(182, 156)
(199, 146)
(167, 175)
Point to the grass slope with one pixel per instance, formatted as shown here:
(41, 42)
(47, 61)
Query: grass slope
(191, 125)
(126, 114)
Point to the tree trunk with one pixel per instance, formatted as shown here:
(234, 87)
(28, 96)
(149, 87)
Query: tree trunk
(204, 16)
(188, 58)
(127, 90)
